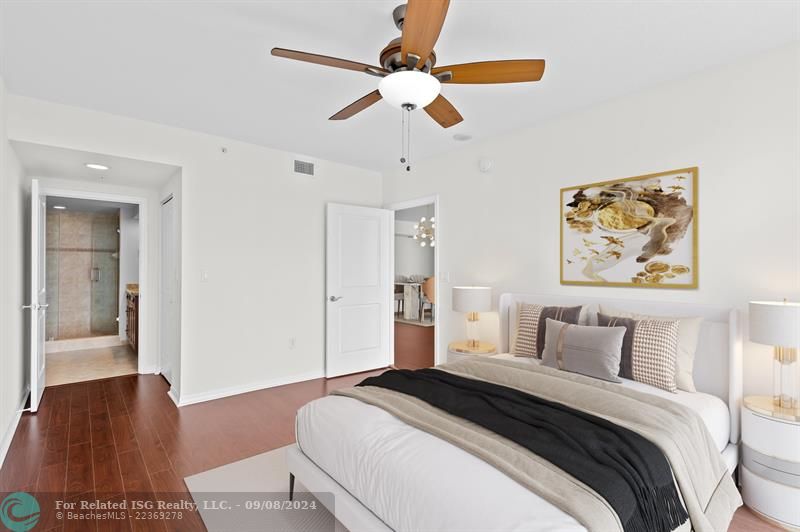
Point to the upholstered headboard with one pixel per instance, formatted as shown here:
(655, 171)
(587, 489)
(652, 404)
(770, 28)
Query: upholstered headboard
(718, 362)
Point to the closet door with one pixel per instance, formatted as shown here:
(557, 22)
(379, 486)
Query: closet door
(169, 293)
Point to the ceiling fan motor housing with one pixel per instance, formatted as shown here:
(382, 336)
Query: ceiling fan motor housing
(391, 60)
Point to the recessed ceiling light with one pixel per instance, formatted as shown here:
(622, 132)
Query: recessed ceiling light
(461, 137)
(59, 207)
(96, 166)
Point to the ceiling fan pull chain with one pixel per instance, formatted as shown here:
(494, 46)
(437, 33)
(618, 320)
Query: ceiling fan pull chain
(408, 156)
(402, 136)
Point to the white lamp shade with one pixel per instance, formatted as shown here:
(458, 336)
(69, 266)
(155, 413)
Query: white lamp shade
(409, 86)
(472, 298)
(775, 323)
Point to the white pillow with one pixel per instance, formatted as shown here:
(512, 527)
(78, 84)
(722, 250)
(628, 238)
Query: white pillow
(688, 334)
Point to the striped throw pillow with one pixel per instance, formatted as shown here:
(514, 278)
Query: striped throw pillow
(531, 322)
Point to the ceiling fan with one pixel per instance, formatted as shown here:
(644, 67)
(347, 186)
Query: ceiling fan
(410, 77)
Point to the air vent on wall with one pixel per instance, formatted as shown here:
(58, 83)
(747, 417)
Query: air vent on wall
(303, 167)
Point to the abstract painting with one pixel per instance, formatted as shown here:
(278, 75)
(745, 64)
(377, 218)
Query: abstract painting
(637, 231)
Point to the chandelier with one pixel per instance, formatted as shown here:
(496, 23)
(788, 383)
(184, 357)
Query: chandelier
(424, 232)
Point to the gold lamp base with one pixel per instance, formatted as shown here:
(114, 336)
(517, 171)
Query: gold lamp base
(786, 378)
(473, 341)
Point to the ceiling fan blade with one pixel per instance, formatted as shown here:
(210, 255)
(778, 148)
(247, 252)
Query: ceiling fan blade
(510, 71)
(443, 112)
(328, 61)
(421, 27)
(357, 106)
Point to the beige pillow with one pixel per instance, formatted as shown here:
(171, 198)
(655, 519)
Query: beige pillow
(688, 334)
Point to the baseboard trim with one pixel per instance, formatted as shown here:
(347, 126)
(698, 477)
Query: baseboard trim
(5, 444)
(149, 370)
(194, 398)
(171, 395)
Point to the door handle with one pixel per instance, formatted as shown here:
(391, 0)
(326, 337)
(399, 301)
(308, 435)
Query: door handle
(42, 307)
(28, 307)
(334, 299)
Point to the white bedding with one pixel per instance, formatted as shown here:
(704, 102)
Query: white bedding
(415, 481)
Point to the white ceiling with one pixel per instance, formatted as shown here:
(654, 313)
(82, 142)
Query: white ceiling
(40, 160)
(85, 205)
(206, 65)
(413, 214)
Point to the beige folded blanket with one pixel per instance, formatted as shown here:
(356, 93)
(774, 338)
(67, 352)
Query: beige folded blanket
(707, 489)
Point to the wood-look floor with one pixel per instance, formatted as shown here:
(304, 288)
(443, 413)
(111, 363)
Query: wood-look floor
(90, 364)
(112, 438)
(413, 346)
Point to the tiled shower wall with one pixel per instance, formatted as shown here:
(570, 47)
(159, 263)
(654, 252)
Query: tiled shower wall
(82, 274)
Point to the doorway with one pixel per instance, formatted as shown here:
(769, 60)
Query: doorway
(362, 315)
(91, 269)
(416, 246)
(84, 259)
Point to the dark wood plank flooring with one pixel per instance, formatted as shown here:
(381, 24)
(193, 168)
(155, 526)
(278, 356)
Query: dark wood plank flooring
(112, 438)
(413, 346)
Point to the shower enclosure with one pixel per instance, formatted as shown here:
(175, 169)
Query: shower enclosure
(82, 274)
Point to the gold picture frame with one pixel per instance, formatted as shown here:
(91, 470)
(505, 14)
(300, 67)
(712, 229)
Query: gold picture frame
(655, 215)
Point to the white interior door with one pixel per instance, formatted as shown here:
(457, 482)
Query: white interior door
(169, 292)
(359, 260)
(38, 305)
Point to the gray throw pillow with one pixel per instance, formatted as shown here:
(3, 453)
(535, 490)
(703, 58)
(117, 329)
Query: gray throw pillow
(584, 349)
(626, 363)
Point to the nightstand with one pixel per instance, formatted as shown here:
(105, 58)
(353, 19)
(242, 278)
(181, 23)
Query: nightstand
(770, 473)
(461, 350)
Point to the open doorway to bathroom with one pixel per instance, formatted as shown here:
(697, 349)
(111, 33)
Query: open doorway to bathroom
(415, 287)
(92, 277)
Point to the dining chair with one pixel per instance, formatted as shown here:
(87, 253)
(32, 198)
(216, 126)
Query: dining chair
(428, 298)
(399, 298)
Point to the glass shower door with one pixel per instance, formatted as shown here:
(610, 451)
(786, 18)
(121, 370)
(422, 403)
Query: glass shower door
(105, 274)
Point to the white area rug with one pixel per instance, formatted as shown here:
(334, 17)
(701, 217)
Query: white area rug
(253, 494)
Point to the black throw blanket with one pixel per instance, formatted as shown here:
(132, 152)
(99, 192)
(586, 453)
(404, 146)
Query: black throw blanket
(626, 469)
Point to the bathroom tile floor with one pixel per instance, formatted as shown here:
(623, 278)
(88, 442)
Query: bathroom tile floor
(89, 364)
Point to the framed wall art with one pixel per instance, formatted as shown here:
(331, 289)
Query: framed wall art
(636, 231)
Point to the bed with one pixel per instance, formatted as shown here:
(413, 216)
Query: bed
(385, 474)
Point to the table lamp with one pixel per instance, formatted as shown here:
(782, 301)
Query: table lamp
(472, 300)
(778, 324)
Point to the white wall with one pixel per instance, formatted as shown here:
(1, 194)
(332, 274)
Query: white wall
(128, 258)
(13, 339)
(409, 257)
(739, 124)
(248, 221)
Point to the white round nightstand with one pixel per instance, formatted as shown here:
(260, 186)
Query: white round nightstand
(770, 472)
(461, 350)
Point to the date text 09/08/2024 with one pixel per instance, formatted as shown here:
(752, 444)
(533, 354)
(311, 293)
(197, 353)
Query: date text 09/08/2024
(150, 504)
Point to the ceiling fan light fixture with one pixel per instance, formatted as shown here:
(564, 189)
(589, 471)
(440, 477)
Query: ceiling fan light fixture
(409, 87)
